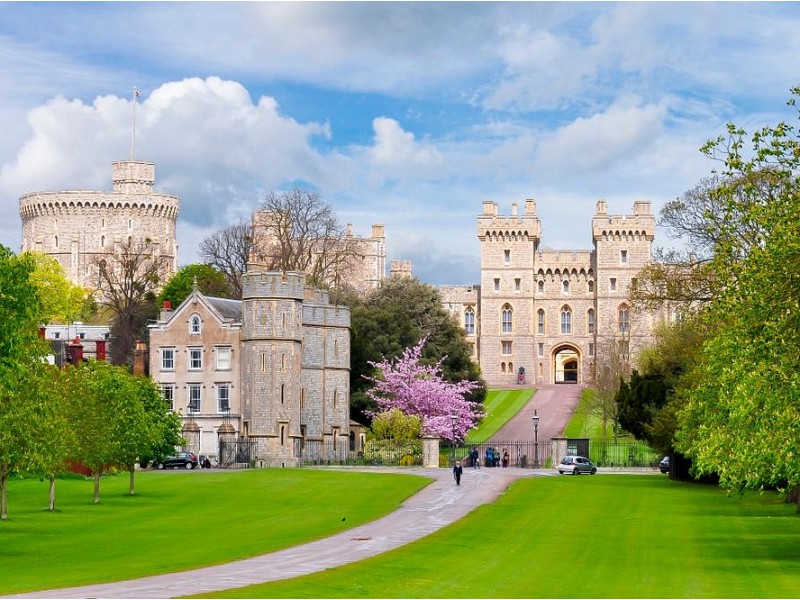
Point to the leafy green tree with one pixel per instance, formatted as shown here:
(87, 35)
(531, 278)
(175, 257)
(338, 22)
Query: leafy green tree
(23, 412)
(395, 425)
(210, 282)
(394, 317)
(107, 418)
(162, 426)
(741, 412)
(62, 301)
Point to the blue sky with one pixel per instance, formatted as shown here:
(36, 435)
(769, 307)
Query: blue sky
(405, 114)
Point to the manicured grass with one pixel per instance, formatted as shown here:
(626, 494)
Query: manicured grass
(607, 536)
(180, 520)
(500, 407)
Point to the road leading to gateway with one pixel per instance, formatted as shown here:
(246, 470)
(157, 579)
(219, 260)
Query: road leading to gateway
(554, 405)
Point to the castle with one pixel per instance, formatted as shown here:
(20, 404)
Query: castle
(273, 368)
(543, 316)
(80, 228)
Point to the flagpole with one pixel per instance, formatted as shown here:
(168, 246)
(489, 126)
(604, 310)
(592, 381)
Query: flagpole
(133, 123)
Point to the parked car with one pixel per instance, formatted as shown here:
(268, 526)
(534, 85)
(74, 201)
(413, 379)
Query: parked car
(576, 465)
(664, 464)
(187, 460)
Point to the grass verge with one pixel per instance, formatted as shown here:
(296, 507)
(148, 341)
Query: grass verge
(180, 520)
(608, 536)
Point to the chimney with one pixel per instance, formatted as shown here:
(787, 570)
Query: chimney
(166, 310)
(140, 358)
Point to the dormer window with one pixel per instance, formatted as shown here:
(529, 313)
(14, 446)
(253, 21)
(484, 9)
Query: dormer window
(194, 325)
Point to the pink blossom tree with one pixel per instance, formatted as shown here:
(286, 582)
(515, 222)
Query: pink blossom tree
(416, 389)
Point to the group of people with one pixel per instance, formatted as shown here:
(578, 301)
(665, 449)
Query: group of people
(493, 459)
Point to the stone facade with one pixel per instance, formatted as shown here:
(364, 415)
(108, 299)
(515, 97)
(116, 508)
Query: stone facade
(273, 368)
(363, 268)
(79, 228)
(541, 315)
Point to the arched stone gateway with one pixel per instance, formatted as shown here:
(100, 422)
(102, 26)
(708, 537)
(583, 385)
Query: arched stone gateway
(566, 364)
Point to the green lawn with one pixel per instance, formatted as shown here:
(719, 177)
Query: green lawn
(180, 520)
(500, 407)
(607, 536)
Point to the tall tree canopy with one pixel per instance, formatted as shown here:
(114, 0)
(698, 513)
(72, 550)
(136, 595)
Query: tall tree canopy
(210, 282)
(129, 277)
(228, 251)
(298, 231)
(741, 417)
(62, 301)
(394, 317)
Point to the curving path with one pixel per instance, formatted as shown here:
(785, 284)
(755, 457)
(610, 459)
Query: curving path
(438, 505)
(433, 508)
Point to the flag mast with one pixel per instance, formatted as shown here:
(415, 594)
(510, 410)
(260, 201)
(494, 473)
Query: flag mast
(133, 123)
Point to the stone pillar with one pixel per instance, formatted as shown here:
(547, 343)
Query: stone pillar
(226, 433)
(430, 452)
(191, 433)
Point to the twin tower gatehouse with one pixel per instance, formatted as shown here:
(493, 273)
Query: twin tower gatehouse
(546, 316)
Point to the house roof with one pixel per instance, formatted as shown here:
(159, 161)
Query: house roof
(227, 308)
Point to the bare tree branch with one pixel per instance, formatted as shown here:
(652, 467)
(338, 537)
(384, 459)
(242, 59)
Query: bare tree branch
(229, 250)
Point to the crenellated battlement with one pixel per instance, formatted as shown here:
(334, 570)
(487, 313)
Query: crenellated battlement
(258, 283)
(495, 227)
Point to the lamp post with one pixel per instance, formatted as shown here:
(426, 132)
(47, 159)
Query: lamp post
(535, 420)
(453, 419)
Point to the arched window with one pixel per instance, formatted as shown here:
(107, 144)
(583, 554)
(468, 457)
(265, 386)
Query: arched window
(469, 321)
(624, 323)
(540, 286)
(507, 319)
(591, 287)
(540, 321)
(590, 320)
(194, 325)
(565, 286)
(566, 320)
(502, 367)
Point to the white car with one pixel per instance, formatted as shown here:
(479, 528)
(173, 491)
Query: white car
(576, 465)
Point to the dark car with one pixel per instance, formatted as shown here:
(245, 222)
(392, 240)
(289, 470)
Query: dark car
(576, 465)
(664, 464)
(187, 460)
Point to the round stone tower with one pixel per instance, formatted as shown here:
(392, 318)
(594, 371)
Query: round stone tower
(78, 228)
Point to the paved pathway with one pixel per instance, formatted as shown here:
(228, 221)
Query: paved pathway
(434, 507)
(554, 405)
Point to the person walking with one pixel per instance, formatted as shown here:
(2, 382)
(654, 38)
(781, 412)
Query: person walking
(457, 472)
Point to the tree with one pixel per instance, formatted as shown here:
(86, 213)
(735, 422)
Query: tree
(298, 231)
(228, 250)
(416, 389)
(395, 316)
(208, 279)
(162, 425)
(741, 413)
(24, 413)
(128, 279)
(107, 418)
(62, 301)
(395, 425)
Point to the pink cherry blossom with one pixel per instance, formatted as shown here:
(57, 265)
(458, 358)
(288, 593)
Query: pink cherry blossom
(416, 389)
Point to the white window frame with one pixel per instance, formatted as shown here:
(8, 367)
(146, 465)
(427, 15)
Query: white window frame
(223, 395)
(469, 321)
(195, 325)
(167, 356)
(224, 355)
(190, 407)
(506, 348)
(168, 393)
(195, 356)
(566, 320)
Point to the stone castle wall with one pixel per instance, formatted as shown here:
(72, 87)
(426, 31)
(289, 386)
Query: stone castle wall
(547, 311)
(79, 228)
